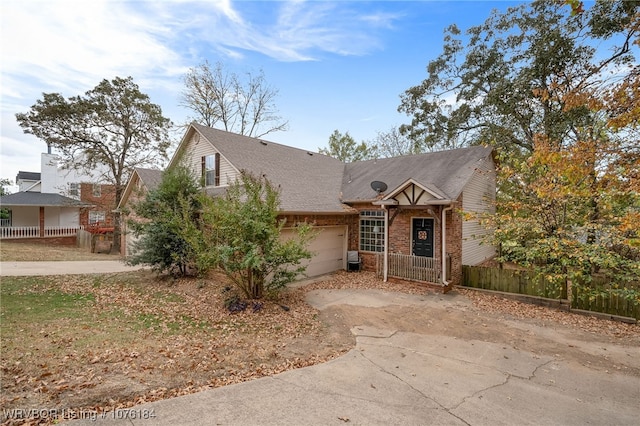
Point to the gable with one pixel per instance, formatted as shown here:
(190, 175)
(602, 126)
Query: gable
(141, 180)
(315, 183)
(194, 147)
(412, 193)
(443, 175)
(308, 181)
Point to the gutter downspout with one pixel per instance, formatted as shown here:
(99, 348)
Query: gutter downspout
(385, 268)
(444, 245)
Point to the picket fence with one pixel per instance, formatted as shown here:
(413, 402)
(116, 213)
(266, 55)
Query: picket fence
(20, 232)
(417, 268)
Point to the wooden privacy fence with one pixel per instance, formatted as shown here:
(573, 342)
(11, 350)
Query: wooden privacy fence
(597, 296)
(409, 267)
(510, 281)
(604, 297)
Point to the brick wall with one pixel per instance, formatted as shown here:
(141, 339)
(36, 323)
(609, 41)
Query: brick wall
(54, 241)
(454, 242)
(106, 202)
(318, 219)
(400, 239)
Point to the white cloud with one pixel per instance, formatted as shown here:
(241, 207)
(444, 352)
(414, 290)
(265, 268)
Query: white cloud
(69, 46)
(285, 31)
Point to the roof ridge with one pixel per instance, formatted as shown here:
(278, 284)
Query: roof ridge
(221, 132)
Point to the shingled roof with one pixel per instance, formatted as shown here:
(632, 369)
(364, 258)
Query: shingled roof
(309, 182)
(151, 178)
(445, 173)
(316, 183)
(27, 176)
(40, 199)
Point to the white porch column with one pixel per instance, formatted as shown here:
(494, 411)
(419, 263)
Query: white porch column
(386, 243)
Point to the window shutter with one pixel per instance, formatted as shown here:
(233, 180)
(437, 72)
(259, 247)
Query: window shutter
(203, 168)
(217, 178)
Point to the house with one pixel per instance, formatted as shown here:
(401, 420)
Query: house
(141, 181)
(52, 205)
(404, 216)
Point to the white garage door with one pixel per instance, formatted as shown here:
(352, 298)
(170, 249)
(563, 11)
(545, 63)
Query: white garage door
(329, 249)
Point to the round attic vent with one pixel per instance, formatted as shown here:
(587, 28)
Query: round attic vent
(378, 186)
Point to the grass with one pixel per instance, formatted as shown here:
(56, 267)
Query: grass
(25, 251)
(100, 341)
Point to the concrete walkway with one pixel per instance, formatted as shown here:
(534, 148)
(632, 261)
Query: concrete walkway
(8, 269)
(402, 378)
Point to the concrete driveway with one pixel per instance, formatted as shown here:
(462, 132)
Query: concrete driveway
(400, 377)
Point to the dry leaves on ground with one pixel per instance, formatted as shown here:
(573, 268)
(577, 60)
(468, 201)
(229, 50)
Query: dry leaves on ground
(25, 251)
(142, 339)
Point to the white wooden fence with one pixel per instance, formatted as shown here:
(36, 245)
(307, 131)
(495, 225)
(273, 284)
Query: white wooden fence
(18, 232)
(409, 267)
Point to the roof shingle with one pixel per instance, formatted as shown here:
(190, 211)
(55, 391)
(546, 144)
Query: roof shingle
(445, 172)
(316, 183)
(40, 199)
(309, 182)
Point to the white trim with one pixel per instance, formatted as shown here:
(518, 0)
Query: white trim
(434, 190)
(386, 244)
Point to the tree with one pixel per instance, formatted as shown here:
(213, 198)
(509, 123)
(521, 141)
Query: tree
(165, 222)
(545, 218)
(4, 213)
(241, 234)
(505, 81)
(568, 158)
(392, 143)
(345, 148)
(4, 182)
(223, 99)
(114, 125)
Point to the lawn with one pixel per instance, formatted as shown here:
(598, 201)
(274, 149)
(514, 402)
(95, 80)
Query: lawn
(93, 343)
(98, 342)
(26, 251)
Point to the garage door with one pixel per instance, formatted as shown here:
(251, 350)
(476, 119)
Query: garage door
(329, 249)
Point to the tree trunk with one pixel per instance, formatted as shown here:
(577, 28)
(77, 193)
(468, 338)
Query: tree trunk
(255, 284)
(117, 226)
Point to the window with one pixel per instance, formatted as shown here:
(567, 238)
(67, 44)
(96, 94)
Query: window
(97, 190)
(210, 170)
(372, 230)
(74, 189)
(96, 216)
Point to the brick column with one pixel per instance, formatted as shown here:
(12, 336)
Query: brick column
(41, 222)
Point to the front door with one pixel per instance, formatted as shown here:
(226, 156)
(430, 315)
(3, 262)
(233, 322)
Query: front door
(422, 237)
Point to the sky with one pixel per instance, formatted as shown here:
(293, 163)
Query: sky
(337, 65)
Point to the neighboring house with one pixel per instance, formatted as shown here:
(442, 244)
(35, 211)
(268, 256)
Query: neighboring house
(405, 215)
(54, 204)
(141, 181)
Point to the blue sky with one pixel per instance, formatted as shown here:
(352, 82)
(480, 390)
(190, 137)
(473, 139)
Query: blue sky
(336, 65)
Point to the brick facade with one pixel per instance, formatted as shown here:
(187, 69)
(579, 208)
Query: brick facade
(106, 202)
(454, 242)
(320, 220)
(54, 241)
(400, 238)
